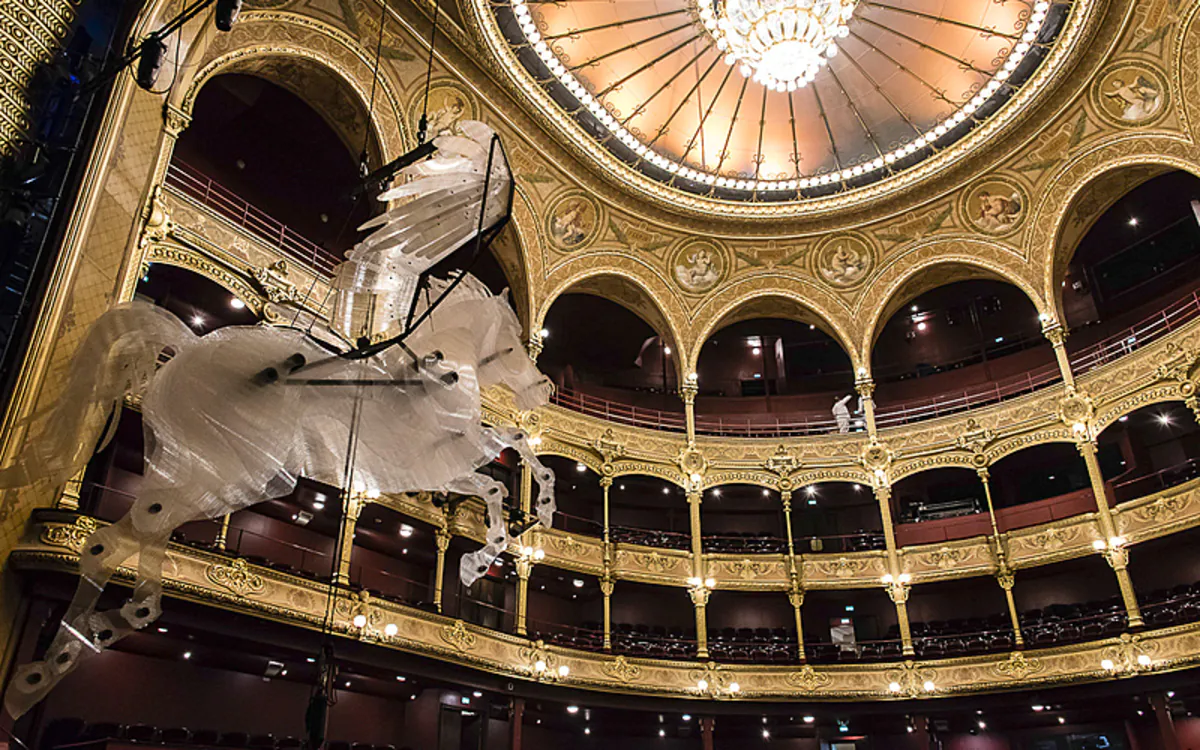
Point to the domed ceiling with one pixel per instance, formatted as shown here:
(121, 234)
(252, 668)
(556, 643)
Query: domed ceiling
(776, 100)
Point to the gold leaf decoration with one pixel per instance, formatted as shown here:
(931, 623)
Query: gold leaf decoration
(808, 679)
(70, 537)
(620, 669)
(1018, 667)
(236, 577)
(458, 636)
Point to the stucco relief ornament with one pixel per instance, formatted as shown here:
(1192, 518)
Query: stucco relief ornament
(808, 679)
(1076, 411)
(995, 206)
(573, 221)
(844, 261)
(1130, 92)
(236, 577)
(698, 266)
(621, 670)
(458, 636)
(1018, 666)
(273, 281)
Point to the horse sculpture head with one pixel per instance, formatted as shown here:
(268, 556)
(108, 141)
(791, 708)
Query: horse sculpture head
(495, 331)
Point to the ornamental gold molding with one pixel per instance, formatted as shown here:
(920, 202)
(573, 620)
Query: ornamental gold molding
(299, 602)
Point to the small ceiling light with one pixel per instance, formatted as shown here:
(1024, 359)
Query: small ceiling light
(1124, 418)
(766, 493)
(564, 670)
(1061, 720)
(347, 684)
(666, 490)
(310, 660)
(1038, 707)
(405, 530)
(1164, 419)
(466, 700)
(766, 734)
(914, 308)
(812, 326)
(236, 303)
(687, 717)
(982, 725)
(667, 350)
(758, 376)
(587, 730)
(921, 326)
(662, 733)
(545, 333)
(318, 505)
(1170, 693)
(197, 321)
(580, 467)
(1133, 222)
(187, 654)
(810, 490)
(809, 719)
(849, 607)
(162, 630)
(577, 583)
(401, 678)
(757, 350)
(390, 629)
(572, 709)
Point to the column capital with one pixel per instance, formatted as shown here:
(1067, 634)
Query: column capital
(606, 482)
(796, 597)
(1005, 578)
(534, 345)
(524, 567)
(983, 472)
(699, 595)
(355, 502)
(865, 387)
(695, 497)
(786, 497)
(1054, 332)
(607, 584)
(442, 537)
(175, 120)
(688, 390)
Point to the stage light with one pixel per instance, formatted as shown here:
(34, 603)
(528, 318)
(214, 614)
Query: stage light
(150, 62)
(227, 13)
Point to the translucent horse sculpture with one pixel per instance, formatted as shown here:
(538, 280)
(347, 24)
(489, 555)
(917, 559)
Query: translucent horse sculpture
(237, 416)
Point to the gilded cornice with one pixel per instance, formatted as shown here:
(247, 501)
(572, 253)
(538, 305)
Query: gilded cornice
(51, 544)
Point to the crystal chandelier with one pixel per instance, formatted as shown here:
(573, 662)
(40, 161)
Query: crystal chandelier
(782, 43)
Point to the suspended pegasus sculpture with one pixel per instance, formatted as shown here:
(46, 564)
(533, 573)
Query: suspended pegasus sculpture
(235, 417)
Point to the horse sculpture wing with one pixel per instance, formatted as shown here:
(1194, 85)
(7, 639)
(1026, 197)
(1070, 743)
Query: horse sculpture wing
(437, 210)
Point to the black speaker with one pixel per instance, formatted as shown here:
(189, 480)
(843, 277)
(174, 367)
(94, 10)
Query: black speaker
(150, 62)
(227, 13)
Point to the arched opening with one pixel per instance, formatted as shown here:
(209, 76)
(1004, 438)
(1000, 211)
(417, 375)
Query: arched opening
(577, 495)
(835, 518)
(202, 303)
(939, 505)
(648, 511)
(1044, 483)
(850, 626)
(606, 341)
(742, 519)
(257, 152)
(1069, 601)
(1133, 275)
(1151, 449)
(954, 340)
(565, 608)
(770, 365)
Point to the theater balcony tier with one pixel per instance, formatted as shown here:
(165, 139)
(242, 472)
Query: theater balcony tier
(52, 540)
(196, 226)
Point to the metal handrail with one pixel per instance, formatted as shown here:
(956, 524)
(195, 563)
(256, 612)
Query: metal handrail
(194, 184)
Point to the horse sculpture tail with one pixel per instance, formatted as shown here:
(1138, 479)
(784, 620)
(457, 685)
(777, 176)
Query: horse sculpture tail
(117, 357)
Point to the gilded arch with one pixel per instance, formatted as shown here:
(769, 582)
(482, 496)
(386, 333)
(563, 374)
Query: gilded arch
(308, 41)
(1084, 188)
(806, 303)
(618, 285)
(936, 263)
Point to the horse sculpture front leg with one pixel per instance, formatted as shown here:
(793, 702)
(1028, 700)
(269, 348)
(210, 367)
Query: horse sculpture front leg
(515, 438)
(475, 564)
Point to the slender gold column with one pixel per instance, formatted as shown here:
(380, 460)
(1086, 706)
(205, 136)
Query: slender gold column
(442, 538)
(1113, 545)
(700, 593)
(1004, 574)
(222, 534)
(895, 582)
(524, 567)
(607, 580)
(795, 585)
(354, 506)
(866, 389)
(1057, 335)
(607, 584)
(694, 497)
(687, 392)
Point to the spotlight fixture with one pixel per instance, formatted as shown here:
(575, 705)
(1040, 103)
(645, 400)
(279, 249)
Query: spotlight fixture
(150, 62)
(227, 13)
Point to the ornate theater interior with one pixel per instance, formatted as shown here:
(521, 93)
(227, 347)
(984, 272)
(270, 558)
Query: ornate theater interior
(639, 374)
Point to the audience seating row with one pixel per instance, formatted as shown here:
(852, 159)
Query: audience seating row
(74, 731)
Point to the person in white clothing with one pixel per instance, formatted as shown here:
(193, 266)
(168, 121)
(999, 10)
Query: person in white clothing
(841, 413)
